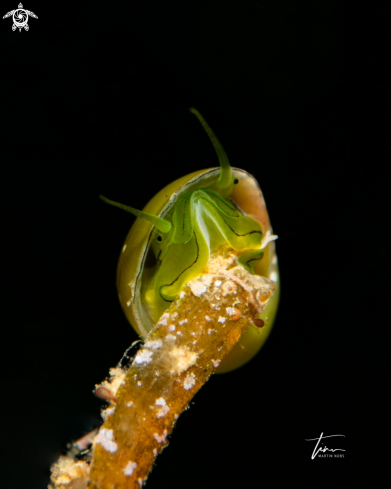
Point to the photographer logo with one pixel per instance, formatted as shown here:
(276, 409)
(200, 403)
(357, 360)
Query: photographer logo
(20, 16)
(322, 451)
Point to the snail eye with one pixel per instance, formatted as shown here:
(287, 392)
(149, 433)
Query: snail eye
(236, 181)
(159, 239)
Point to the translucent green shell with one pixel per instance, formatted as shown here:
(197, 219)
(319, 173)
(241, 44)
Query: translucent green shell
(193, 216)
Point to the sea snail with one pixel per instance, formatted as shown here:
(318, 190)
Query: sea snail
(171, 241)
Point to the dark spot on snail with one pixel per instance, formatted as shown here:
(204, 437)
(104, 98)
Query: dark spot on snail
(259, 323)
(159, 239)
(236, 181)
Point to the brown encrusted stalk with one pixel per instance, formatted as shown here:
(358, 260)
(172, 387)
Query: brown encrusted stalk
(181, 352)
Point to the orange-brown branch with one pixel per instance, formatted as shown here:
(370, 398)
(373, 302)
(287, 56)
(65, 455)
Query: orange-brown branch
(181, 352)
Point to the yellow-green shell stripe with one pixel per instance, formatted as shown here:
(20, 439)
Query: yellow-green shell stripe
(132, 258)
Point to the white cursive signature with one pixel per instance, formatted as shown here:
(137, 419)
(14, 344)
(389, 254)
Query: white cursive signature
(325, 449)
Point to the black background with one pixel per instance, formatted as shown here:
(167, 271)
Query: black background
(95, 100)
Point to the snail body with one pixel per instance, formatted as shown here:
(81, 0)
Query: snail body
(177, 231)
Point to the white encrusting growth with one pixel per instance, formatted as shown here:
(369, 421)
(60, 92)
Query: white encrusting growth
(174, 315)
(221, 320)
(207, 318)
(106, 438)
(211, 331)
(69, 473)
(171, 328)
(153, 344)
(197, 288)
(160, 438)
(170, 337)
(182, 295)
(182, 359)
(117, 378)
(184, 321)
(162, 411)
(143, 356)
(129, 469)
(189, 381)
(216, 363)
(231, 311)
(130, 404)
(107, 412)
(218, 283)
(164, 318)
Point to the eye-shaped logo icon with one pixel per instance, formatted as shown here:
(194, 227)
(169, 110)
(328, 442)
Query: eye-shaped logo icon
(20, 17)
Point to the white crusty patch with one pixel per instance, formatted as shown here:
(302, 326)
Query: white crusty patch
(143, 356)
(68, 471)
(184, 321)
(106, 438)
(189, 381)
(117, 378)
(231, 311)
(218, 283)
(162, 411)
(160, 402)
(216, 363)
(208, 319)
(182, 295)
(107, 412)
(130, 404)
(163, 319)
(171, 328)
(198, 288)
(153, 344)
(154, 451)
(160, 438)
(182, 359)
(129, 469)
(221, 320)
(174, 315)
(170, 337)
(211, 331)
